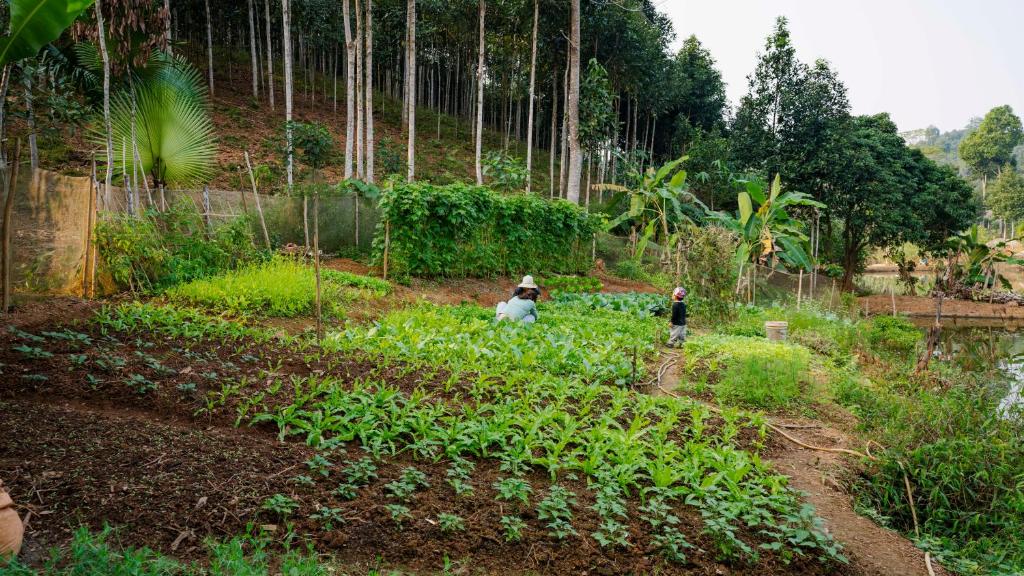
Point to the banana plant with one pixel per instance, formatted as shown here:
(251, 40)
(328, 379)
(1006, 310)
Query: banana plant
(767, 233)
(661, 204)
(978, 268)
(36, 23)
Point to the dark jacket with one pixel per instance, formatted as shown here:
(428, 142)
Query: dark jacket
(679, 313)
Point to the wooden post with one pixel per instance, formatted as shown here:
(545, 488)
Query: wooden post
(10, 185)
(91, 210)
(355, 219)
(163, 199)
(800, 289)
(892, 294)
(316, 262)
(256, 195)
(832, 295)
(387, 246)
(206, 206)
(94, 250)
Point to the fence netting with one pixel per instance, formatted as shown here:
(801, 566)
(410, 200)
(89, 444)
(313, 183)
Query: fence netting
(50, 224)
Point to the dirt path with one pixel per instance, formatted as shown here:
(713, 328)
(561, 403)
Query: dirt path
(872, 549)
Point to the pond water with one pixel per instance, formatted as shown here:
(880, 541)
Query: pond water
(979, 345)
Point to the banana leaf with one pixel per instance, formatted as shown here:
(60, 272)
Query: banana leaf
(36, 23)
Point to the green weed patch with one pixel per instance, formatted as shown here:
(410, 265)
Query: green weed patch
(746, 371)
(279, 288)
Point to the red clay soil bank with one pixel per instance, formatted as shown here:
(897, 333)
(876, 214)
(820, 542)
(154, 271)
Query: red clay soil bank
(924, 306)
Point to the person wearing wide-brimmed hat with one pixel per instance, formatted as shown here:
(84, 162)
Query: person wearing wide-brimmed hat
(522, 307)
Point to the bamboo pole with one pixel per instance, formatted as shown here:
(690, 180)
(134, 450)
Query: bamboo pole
(206, 207)
(91, 209)
(387, 246)
(10, 185)
(316, 262)
(256, 195)
(800, 289)
(94, 249)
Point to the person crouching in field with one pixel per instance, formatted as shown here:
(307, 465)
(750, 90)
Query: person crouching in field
(522, 307)
(677, 325)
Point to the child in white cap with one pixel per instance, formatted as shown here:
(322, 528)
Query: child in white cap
(522, 307)
(677, 325)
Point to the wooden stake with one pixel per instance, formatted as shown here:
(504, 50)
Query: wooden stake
(91, 209)
(316, 262)
(10, 185)
(800, 289)
(256, 195)
(387, 246)
(892, 294)
(206, 207)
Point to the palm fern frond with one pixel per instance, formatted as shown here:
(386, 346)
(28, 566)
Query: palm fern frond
(174, 134)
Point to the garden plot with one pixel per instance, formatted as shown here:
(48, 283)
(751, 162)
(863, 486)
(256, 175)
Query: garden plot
(434, 430)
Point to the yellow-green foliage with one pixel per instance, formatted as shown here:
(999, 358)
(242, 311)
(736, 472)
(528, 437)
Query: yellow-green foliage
(749, 371)
(280, 288)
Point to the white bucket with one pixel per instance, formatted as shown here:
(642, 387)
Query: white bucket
(777, 331)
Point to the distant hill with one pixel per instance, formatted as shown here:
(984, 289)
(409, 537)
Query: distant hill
(941, 146)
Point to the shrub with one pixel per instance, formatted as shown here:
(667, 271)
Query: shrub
(461, 230)
(572, 284)
(631, 270)
(160, 249)
(893, 334)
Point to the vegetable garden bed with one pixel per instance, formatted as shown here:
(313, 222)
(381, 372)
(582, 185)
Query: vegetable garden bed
(434, 434)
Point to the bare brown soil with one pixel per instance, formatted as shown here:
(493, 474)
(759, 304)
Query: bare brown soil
(79, 451)
(925, 307)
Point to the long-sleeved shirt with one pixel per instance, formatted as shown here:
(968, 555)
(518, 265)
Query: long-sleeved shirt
(679, 313)
(518, 308)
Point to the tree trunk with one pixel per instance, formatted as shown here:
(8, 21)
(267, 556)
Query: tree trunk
(287, 49)
(410, 64)
(368, 84)
(209, 45)
(105, 56)
(563, 165)
(270, 56)
(30, 119)
(529, 113)
(350, 89)
(4, 83)
(252, 51)
(554, 133)
(167, 28)
(480, 97)
(360, 104)
(10, 184)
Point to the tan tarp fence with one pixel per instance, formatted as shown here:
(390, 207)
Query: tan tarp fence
(49, 232)
(49, 224)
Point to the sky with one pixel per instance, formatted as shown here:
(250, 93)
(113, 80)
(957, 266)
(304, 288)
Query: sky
(925, 62)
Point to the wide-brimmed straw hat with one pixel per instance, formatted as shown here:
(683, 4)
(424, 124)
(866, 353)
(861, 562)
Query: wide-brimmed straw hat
(528, 282)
